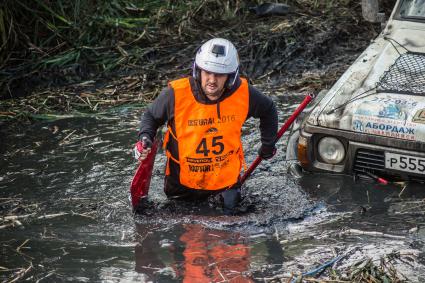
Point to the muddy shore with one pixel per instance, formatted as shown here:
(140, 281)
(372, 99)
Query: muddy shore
(303, 49)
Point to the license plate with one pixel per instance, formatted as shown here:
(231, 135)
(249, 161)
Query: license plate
(405, 163)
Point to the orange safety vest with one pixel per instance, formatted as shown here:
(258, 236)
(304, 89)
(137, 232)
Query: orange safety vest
(210, 148)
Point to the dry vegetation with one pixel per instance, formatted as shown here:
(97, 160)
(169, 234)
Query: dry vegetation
(69, 56)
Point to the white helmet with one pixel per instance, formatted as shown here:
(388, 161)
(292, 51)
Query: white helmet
(217, 56)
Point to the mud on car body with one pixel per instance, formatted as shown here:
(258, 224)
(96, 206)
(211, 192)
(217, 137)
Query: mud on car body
(373, 118)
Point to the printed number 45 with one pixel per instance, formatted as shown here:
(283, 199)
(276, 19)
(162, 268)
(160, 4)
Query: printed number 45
(216, 145)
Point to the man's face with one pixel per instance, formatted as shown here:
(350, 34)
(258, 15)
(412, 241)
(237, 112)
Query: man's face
(213, 84)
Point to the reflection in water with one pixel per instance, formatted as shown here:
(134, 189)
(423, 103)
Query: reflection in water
(84, 169)
(198, 255)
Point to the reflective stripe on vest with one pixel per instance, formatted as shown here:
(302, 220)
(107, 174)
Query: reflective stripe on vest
(210, 148)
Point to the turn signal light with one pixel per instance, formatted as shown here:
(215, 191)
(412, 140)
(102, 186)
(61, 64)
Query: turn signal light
(302, 151)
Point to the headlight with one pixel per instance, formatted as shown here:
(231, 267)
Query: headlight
(331, 150)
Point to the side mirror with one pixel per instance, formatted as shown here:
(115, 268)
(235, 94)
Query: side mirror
(370, 11)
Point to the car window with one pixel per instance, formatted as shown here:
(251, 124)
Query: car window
(413, 9)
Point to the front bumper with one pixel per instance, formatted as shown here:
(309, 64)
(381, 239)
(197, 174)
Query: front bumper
(364, 152)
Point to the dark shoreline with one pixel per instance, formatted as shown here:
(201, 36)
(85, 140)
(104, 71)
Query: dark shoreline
(304, 50)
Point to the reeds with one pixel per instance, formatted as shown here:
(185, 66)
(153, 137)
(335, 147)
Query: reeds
(46, 45)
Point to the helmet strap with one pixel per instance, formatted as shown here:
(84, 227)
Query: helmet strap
(231, 80)
(196, 72)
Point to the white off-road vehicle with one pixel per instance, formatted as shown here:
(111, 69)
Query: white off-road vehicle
(372, 121)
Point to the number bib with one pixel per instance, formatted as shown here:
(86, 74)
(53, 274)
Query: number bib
(210, 148)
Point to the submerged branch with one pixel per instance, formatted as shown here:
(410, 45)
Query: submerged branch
(370, 233)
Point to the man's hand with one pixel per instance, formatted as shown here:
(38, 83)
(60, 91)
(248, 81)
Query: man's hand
(267, 152)
(142, 149)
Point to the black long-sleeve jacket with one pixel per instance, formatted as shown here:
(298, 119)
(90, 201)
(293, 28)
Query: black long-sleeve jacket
(161, 110)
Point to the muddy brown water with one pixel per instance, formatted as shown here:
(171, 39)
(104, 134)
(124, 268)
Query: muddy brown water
(68, 180)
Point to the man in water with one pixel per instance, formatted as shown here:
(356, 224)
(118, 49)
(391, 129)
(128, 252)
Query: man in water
(204, 115)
